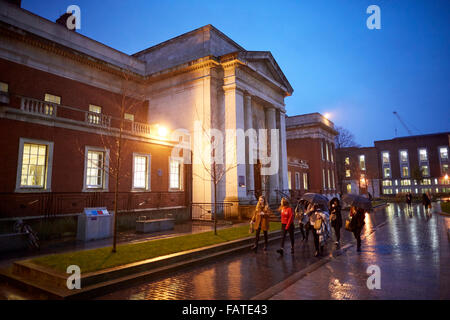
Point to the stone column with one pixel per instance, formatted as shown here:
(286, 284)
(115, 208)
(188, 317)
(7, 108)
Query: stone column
(234, 147)
(271, 123)
(283, 152)
(250, 174)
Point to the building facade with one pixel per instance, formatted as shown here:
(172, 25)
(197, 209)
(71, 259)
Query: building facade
(311, 154)
(415, 164)
(358, 171)
(67, 99)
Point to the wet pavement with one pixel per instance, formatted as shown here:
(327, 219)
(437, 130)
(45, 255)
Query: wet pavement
(241, 276)
(411, 250)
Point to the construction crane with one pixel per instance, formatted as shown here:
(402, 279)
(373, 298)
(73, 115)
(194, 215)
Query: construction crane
(403, 123)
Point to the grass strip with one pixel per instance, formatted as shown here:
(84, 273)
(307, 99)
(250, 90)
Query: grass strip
(103, 258)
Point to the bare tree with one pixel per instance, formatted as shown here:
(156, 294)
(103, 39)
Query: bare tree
(112, 130)
(215, 171)
(344, 138)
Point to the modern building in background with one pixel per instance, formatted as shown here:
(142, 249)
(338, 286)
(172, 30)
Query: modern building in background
(311, 155)
(415, 164)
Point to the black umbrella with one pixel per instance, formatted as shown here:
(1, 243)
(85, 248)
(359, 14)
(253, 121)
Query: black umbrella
(357, 201)
(321, 200)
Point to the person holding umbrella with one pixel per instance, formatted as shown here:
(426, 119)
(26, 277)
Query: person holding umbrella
(317, 221)
(357, 223)
(336, 219)
(287, 224)
(260, 219)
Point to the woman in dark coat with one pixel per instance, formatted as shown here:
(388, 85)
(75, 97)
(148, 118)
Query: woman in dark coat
(357, 224)
(336, 219)
(426, 202)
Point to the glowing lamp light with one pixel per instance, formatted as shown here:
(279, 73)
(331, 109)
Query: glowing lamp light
(327, 115)
(162, 131)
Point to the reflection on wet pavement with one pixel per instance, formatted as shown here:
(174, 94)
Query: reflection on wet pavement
(238, 277)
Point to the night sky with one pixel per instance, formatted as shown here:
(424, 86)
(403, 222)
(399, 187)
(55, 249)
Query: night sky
(332, 60)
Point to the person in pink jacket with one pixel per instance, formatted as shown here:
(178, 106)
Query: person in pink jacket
(287, 224)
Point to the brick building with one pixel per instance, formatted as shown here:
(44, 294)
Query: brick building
(358, 171)
(65, 98)
(414, 164)
(311, 154)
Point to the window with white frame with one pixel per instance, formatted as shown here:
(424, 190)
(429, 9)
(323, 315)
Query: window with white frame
(403, 156)
(443, 153)
(175, 174)
(49, 109)
(387, 172)
(289, 180)
(362, 162)
(141, 171)
(387, 183)
(297, 181)
(323, 179)
(128, 116)
(425, 170)
(34, 167)
(305, 181)
(385, 157)
(96, 169)
(405, 171)
(94, 114)
(423, 156)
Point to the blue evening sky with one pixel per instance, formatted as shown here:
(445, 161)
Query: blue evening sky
(332, 60)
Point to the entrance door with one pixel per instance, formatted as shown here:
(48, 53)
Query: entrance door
(257, 179)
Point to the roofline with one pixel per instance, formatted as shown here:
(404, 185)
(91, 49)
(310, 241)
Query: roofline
(416, 136)
(201, 29)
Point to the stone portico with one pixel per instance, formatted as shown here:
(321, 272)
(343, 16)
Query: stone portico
(216, 82)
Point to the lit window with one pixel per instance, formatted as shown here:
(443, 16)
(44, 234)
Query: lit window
(297, 181)
(34, 167)
(3, 87)
(435, 181)
(349, 188)
(405, 182)
(405, 171)
(425, 182)
(425, 171)
(385, 156)
(362, 162)
(289, 180)
(445, 169)
(387, 191)
(49, 109)
(332, 177)
(387, 183)
(347, 173)
(423, 155)
(404, 156)
(305, 181)
(95, 169)
(387, 172)
(329, 179)
(443, 152)
(141, 171)
(323, 179)
(175, 174)
(347, 161)
(34, 163)
(321, 149)
(94, 114)
(128, 116)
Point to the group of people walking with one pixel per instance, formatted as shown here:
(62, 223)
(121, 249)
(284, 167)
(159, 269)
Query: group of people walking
(312, 218)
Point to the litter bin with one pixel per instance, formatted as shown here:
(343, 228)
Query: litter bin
(94, 223)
